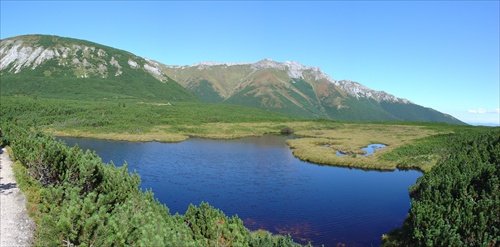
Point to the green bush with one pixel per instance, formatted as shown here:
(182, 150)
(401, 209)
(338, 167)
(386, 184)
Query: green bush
(112, 116)
(82, 202)
(457, 203)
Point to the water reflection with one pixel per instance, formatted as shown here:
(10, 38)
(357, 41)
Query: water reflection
(259, 179)
(370, 149)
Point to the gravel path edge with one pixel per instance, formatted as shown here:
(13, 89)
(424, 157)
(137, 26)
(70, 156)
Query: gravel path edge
(16, 227)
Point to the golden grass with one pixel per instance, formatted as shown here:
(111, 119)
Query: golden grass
(157, 134)
(318, 141)
(178, 133)
(320, 145)
(237, 130)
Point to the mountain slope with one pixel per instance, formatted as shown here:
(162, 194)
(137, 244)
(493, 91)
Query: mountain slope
(296, 89)
(57, 67)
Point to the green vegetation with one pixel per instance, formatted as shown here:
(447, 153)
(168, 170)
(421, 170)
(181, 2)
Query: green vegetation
(361, 109)
(296, 105)
(319, 144)
(309, 97)
(206, 92)
(246, 97)
(178, 119)
(65, 68)
(49, 83)
(411, 112)
(457, 203)
(305, 88)
(75, 199)
(89, 71)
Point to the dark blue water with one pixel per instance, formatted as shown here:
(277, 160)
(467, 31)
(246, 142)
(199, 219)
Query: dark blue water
(260, 180)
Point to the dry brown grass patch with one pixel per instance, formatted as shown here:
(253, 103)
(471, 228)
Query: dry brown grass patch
(320, 145)
(157, 134)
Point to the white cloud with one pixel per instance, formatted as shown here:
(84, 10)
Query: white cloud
(483, 111)
(479, 110)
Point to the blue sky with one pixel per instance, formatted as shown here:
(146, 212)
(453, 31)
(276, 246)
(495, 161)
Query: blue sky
(443, 55)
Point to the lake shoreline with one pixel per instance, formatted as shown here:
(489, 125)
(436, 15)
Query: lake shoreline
(266, 172)
(305, 147)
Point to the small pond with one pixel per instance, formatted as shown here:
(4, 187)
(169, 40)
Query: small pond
(370, 149)
(259, 179)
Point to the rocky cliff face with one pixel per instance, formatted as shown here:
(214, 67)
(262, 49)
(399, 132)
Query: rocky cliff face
(63, 67)
(84, 58)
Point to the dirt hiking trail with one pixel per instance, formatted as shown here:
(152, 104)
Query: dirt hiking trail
(16, 227)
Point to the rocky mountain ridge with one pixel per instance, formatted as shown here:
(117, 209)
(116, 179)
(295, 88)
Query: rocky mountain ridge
(290, 87)
(52, 66)
(296, 70)
(27, 52)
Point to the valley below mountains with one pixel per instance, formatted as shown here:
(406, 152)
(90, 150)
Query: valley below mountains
(57, 67)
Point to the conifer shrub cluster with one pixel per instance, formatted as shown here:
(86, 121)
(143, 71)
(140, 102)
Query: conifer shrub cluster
(121, 116)
(83, 202)
(457, 203)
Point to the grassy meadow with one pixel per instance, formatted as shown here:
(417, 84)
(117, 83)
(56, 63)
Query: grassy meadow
(320, 145)
(317, 142)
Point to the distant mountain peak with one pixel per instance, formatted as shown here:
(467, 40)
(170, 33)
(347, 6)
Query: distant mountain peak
(209, 64)
(55, 66)
(293, 87)
(358, 90)
(296, 70)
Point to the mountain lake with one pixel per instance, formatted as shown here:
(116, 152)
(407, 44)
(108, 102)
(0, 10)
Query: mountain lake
(260, 180)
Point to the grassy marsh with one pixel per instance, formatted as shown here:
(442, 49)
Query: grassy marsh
(177, 121)
(317, 142)
(320, 145)
(181, 132)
